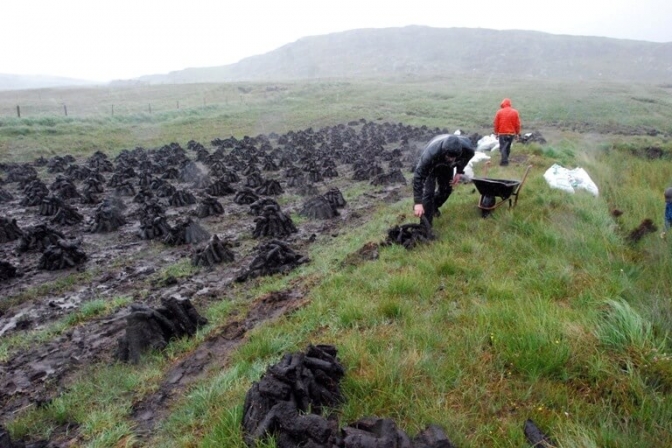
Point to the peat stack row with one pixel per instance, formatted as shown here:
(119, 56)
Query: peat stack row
(62, 255)
(288, 400)
(150, 329)
(273, 257)
(215, 252)
(7, 271)
(409, 235)
(186, 232)
(318, 207)
(107, 218)
(273, 222)
(287, 403)
(209, 206)
(151, 178)
(9, 230)
(323, 206)
(57, 251)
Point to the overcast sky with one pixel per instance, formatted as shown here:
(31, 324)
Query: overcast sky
(102, 40)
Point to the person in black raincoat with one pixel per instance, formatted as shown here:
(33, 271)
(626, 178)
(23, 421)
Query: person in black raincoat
(441, 163)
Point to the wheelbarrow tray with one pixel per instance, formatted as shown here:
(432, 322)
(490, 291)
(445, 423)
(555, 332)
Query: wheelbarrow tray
(491, 189)
(502, 188)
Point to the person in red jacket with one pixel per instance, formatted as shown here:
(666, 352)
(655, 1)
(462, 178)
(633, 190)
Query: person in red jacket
(507, 126)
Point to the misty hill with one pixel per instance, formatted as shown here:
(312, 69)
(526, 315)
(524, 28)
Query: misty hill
(21, 82)
(420, 50)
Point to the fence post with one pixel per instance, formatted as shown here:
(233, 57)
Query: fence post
(65, 109)
(150, 108)
(178, 105)
(18, 111)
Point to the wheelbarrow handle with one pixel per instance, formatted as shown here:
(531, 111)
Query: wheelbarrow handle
(522, 181)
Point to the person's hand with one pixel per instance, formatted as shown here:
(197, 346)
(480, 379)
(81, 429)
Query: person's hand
(418, 210)
(456, 179)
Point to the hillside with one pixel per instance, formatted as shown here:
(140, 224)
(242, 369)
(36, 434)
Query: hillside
(419, 50)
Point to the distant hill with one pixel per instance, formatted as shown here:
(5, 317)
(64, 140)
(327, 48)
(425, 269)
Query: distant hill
(423, 51)
(21, 82)
(420, 50)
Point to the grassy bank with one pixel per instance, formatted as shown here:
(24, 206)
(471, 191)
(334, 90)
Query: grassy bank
(112, 119)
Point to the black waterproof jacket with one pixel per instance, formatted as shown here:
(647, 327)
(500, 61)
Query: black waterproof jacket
(434, 155)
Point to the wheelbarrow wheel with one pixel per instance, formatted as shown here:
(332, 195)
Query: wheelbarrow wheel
(488, 202)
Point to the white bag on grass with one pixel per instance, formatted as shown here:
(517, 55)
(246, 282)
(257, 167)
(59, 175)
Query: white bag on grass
(570, 180)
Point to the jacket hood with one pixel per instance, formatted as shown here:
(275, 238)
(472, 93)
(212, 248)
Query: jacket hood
(505, 103)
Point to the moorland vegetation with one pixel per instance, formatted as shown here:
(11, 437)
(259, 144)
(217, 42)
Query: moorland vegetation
(544, 311)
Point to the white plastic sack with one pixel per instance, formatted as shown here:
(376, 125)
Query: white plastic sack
(469, 169)
(570, 180)
(488, 143)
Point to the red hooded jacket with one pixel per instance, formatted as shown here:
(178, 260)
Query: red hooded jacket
(507, 119)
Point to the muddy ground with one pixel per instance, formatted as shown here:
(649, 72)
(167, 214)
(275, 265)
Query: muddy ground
(120, 263)
(124, 263)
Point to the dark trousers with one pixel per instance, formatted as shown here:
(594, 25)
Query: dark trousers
(432, 199)
(505, 142)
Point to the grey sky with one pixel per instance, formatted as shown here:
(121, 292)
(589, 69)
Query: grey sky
(103, 40)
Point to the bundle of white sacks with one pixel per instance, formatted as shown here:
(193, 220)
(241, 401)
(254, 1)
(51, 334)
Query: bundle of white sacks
(488, 143)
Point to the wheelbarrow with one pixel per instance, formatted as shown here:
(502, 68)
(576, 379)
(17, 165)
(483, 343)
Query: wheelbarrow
(492, 189)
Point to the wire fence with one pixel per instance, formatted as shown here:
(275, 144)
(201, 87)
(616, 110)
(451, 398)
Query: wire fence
(92, 102)
(87, 110)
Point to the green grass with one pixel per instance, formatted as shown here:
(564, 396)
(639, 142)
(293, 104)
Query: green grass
(208, 111)
(99, 404)
(542, 311)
